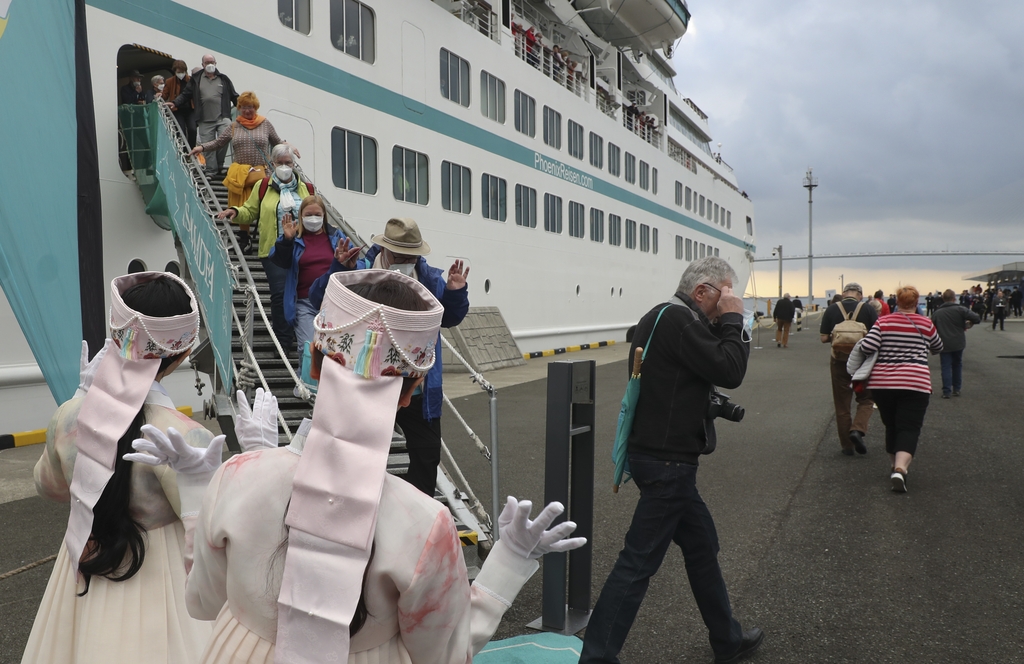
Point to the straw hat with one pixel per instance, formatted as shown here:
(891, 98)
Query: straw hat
(402, 236)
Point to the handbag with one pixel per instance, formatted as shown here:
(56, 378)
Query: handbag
(627, 411)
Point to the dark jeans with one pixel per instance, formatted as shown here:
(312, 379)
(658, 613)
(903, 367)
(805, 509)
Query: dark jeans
(902, 413)
(952, 370)
(276, 277)
(669, 510)
(999, 316)
(423, 441)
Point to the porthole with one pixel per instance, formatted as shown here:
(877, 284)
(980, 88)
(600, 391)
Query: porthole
(136, 265)
(487, 285)
(173, 268)
(577, 290)
(620, 292)
(613, 291)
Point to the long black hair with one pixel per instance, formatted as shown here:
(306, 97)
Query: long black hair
(117, 546)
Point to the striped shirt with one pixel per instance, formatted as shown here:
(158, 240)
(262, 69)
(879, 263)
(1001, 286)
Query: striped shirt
(902, 342)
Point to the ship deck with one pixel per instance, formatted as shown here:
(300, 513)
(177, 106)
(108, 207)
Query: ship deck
(816, 549)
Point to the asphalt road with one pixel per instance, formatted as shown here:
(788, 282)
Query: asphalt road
(816, 549)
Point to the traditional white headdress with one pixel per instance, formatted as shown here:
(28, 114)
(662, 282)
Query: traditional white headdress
(337, 486)
(123, 378)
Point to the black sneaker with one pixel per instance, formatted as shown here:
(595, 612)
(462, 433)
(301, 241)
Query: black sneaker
(956, 393)
(858, 442)
(752, 639)
(945, 396)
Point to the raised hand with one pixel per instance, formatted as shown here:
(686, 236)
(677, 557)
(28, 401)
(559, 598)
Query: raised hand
(533, 539)
(347, 253)
(457, 275)
(170, 449)
(256, 427)
(729, 302)
(87, 368)
(288, 226)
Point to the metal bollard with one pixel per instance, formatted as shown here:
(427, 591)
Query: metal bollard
(569, 479)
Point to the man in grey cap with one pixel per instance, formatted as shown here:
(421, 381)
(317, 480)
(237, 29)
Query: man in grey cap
(851, 429)
(401, 248)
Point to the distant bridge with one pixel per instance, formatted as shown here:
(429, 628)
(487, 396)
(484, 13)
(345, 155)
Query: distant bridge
(891, 254)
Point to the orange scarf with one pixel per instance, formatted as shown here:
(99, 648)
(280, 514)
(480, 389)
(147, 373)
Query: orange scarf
(251, 124)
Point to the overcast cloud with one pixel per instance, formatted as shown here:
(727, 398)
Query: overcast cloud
(911, 114)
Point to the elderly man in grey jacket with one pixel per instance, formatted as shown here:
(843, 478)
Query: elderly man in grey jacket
(951, 319)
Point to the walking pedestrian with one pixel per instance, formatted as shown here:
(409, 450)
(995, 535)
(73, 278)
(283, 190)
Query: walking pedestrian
(999, 309)
(900, 380)
(951, 319)
(212, 95)
(783, 316)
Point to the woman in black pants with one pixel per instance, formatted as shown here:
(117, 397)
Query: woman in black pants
(900, 381)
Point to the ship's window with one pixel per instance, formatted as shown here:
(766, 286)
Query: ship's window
(492, 197)
(728, 219)
(614, 160)
(630, 168)
(716, 251)
(679, 193)
(352, 29)
(492, 97)
(716, 213)
(353, 161)
(654, 181)
(702, 248)
(645, 175)
(526, 206)
(710, 216)
(596, 151)
(689, 250)
(614, 230)
(552, 213)
(576, 221)
(654, 240)
(526, 113)
(750, 226)
(575, 140)
(701, 210)
(137, 265)
(679, 247)
(689, 195)
(454, 78)
(553, 128)
(173, 268)
(596, 225)
(294, 14)
(645, 237)
(411, 175)
(456, 188)
(630, 234)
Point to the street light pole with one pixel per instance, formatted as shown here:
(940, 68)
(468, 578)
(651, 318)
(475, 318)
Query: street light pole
(842, 283)
(779, 249)
(810, 182)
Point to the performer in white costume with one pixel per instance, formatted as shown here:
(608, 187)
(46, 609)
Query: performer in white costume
(117, 591)
(312, 552)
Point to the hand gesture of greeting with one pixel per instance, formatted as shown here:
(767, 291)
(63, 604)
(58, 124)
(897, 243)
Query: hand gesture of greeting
(289, 227)
(532, 539)
(347, 253)
(256, 427)
(457, 275)
(172, 450)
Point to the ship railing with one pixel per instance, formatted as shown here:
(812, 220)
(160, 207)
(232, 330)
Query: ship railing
(682, 156)
(718, 158)
(642, 128)
(607, 105)
(480, 17)
(522, 10)
(701, 114)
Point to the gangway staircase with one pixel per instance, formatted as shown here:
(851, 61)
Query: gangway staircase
(157, 148)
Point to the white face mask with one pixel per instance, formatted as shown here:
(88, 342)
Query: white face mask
(180, 75)
(313, 223)
(160, 87)
(404, 268)
(211, 68)
(284, 173)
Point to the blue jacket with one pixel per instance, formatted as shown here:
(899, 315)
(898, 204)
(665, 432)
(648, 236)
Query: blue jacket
(455, 303)
(286, 254)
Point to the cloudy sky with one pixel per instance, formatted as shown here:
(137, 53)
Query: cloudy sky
(911, 114)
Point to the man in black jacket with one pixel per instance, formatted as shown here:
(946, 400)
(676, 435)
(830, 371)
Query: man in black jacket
(951, 319)
(695, 345)
(784, 312)
(212, 95)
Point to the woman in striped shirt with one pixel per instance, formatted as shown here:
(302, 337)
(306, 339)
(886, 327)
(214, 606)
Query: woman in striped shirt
(901, 382)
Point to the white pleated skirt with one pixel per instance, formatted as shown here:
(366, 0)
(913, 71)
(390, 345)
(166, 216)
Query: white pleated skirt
(234, 643)
(143, 619)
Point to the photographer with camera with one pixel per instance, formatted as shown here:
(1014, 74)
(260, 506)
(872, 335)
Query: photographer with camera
(697, 343)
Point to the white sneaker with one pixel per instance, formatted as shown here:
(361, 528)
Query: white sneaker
(899, 481)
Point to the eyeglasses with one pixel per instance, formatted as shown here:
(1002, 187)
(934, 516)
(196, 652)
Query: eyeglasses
(710, 286)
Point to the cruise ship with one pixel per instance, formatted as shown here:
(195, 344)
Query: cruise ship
(544, 143)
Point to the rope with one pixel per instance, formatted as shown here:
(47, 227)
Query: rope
(475, 506)
(483, 449)
(25, 568)
(253, 366)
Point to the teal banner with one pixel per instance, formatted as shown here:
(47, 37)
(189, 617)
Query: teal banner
(205, 254)
(39, 204)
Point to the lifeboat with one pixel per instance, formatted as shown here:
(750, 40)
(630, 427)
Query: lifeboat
(624, 23)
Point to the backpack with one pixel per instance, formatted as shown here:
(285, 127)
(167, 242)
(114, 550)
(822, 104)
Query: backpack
(265, 183)
(848, 332)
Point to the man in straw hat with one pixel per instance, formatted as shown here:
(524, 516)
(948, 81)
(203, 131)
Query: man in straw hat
(314, 553)
(401, 248)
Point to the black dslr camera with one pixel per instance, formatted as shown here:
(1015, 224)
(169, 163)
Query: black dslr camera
(719, 406)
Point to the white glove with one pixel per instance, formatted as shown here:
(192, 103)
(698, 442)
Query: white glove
(87, 368)
(195, 466)
(256, 427)
(532, 539)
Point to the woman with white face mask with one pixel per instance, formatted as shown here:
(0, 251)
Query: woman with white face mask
(306, 248)
(174, 86)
